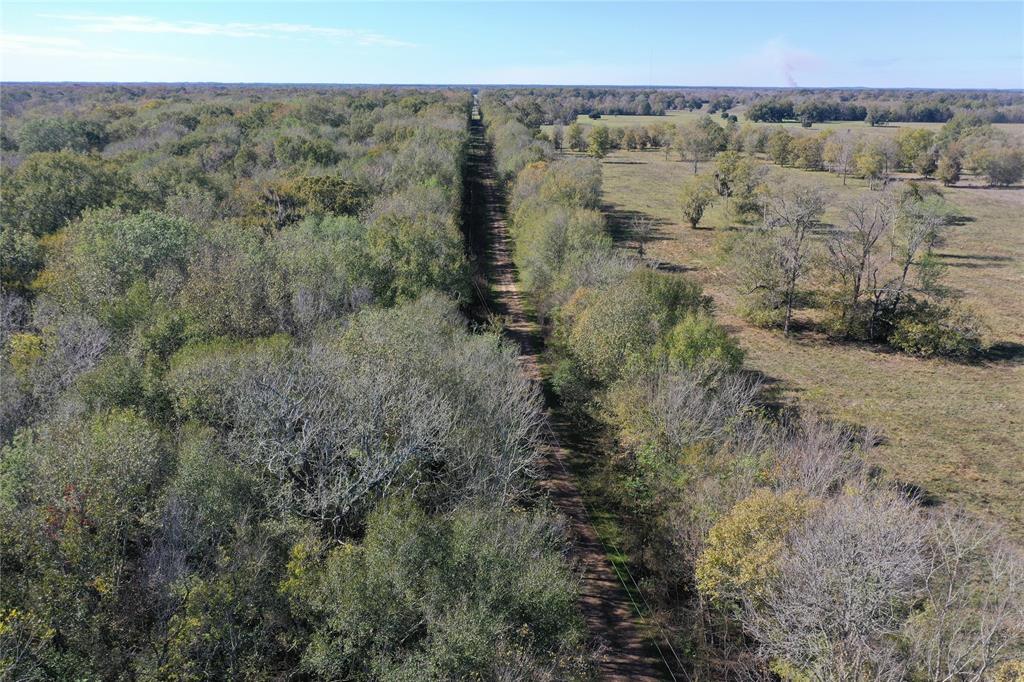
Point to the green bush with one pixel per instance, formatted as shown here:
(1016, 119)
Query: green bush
(51, 188)
(466, 596)
(696, 195)
(20, 257)
(115, 382)
(931, 330)
(612, 327)
(57, 134)
(742, 550)
(697, 340)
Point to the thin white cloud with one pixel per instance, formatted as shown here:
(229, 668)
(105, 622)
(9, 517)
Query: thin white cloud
(139, 24)
(20, 45)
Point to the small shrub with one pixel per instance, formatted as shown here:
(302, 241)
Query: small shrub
(24, 350)
(930, 330)
(697, 341)
(571, 385)
(948, 170)
(698, 193)
(1002, 167)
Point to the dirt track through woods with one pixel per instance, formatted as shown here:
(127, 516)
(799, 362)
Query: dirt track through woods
(628, 652)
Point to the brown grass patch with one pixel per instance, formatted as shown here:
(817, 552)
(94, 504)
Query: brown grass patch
(954, 430)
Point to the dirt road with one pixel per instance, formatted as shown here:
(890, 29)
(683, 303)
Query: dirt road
(629, 652)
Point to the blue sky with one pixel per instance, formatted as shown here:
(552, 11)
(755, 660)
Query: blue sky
(875, 44)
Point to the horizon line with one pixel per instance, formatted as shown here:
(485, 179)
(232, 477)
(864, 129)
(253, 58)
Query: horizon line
(517, 85)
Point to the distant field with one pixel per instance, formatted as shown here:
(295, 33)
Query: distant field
(679, 117)
(956, 431)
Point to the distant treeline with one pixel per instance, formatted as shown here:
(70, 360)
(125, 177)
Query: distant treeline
(539, 106)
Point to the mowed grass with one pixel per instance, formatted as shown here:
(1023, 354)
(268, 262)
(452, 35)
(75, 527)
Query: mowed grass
(954, 430)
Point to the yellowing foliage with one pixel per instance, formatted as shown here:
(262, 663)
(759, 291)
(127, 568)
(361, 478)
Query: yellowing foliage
(24, 350)
(1011, 671)
(741, 551)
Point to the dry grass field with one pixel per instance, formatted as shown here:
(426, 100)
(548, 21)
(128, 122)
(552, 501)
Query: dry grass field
(954, 430)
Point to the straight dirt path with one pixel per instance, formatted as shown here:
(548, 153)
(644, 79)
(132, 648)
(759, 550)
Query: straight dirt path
(629, 652)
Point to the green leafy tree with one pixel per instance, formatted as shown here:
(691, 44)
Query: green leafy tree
(108, 251)
(51, 188)
(926, 162)
(600, 142)
(57, 134)
(877, 116)
(78, 504)
(415, 245)
(780, 146)
(607, 329)
(575, 138)
(1002, 166)
(700, 140)
(696, 195)
(877, 159)
(739, 178)
(479, 594)
(20, 257)
(914, 143)
(697, 341)
(948, 169)
(808, 151)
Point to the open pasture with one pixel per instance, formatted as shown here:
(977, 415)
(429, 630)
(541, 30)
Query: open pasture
(953, 430)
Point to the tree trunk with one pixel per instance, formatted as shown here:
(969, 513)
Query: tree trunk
(790, 290)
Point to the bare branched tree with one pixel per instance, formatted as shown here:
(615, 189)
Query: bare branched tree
(334, 434)
(642, 229)
(853, 253)
(917, 230)
(972, 613)
(820, 456)
(408, 400)
(846, 584)
(790, 213)
(701, 406)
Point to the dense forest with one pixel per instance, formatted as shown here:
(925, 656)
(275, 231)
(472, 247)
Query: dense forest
(248, 431)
